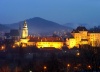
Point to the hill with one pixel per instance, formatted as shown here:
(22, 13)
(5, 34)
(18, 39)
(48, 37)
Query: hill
(4, 28)
(40, 25)
(75, 25)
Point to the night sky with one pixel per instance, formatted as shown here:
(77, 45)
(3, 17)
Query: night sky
(60, 11)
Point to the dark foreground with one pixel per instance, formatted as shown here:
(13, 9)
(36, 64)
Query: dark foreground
(31, 59)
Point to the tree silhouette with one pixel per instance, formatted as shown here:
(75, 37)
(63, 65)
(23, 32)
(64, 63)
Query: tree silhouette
(55, 65)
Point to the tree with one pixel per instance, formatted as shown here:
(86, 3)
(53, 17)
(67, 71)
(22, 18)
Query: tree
(56, 65)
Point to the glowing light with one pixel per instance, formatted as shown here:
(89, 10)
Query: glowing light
(23, 45)
(25, 31)
(89, 66)
(13, 46)
(68, 65)
(49, 44)
(30, 71)
(71, 42)
(24, 40)
(78, 54)
(2, 47)
(45, 67)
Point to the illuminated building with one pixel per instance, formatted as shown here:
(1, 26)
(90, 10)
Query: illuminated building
(81, 36)
(70, 42)
(94, 38)
(57, 45)
(47, 42)
(24, 31)
(43, 42)
(24, 34)
(39, 42)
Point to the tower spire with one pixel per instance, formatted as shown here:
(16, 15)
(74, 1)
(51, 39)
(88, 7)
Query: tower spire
(25, 24)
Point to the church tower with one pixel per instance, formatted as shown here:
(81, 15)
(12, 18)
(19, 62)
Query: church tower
(24, 30)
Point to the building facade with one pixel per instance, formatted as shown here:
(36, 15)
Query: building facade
(83, 36)
(39, 42)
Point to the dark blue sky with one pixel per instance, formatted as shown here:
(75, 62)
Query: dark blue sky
(60, 11)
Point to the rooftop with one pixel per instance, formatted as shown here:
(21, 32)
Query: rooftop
(45, 39)
(79, 28)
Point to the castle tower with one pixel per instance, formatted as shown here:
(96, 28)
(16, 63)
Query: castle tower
(24, 30)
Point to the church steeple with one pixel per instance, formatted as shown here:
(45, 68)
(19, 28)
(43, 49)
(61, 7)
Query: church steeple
(24, 30)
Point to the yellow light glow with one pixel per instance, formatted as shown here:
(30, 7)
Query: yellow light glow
(78, 54)
(49, 44)
(24, 40)
(68, 65)
(24, 45)
(84, 42)
(25, 31)
(13, 46)
(89, 66)
(45, 67)
(2, 47)
(71, 43)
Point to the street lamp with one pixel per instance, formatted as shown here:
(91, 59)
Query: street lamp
(45, 68)
(30, 71)
(68, 65)
(13, 46)
(78, 54)
(2, 47)
(89, 67)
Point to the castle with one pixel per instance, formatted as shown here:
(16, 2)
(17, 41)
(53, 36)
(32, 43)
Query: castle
(39, 42)
(82, 36)
(78, 37)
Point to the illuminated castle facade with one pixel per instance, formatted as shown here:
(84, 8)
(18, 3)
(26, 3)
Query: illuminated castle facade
(81, 36)
(39, 42)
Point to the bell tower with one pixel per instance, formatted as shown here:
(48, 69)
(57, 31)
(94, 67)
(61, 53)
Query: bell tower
(24, 30)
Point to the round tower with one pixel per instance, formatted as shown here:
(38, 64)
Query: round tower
(24, 30)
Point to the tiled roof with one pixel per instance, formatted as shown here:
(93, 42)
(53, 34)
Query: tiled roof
(94, 31)
(75, 31)
(46, 39)
(81, 28)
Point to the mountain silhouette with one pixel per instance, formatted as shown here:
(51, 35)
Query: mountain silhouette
(4, 28)
(40, 25)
